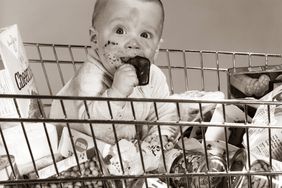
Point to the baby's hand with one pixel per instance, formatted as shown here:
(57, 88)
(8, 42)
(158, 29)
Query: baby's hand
(125, 79)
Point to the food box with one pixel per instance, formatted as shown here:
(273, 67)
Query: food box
(7, 172)
(86, 165)
(15, 75)
(81, 142)
(18, 146)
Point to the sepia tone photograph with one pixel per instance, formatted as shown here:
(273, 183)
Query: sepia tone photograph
(140, 94)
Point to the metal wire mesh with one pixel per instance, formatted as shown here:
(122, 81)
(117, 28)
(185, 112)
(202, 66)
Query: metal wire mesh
(54, 64)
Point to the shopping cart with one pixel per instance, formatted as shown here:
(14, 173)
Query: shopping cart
(54, 64)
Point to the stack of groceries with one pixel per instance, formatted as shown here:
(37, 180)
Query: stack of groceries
(35, 150)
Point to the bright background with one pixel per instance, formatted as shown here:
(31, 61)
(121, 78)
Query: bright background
(238, 25)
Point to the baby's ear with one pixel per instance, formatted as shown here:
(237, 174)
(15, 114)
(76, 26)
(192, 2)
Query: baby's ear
(157, 50)
(160, 43)
(93, 36)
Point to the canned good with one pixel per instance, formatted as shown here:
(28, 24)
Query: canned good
(8, 172)
(260, 181)
(237, 163)
(196, 162)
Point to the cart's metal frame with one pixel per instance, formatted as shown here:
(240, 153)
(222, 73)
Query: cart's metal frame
(219, 68)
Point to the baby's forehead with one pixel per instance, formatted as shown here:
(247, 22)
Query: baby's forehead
(107, 8)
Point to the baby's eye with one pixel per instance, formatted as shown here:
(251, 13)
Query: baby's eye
(146, 35)
(120, 31)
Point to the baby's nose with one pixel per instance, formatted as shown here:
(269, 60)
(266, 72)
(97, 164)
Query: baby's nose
(132, 44)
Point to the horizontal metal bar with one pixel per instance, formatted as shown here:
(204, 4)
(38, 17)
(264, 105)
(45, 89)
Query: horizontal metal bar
(193, 68)
(55, 45)
(165, 50)
(158, 100)
(129, 122)
(168, 175)
(55, 61)
(160, 66)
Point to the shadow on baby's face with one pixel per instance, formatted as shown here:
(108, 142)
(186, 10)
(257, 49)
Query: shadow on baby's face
(127, 28)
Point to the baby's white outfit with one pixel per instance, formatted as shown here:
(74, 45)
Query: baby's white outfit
(92, 79)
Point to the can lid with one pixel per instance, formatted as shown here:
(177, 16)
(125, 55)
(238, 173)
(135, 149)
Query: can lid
(4, 161)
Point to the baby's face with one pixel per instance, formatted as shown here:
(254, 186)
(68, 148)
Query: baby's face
(127, 28)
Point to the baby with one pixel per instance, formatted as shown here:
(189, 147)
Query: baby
(121, 29)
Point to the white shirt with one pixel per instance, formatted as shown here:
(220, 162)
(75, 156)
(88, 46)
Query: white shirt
(92, 79)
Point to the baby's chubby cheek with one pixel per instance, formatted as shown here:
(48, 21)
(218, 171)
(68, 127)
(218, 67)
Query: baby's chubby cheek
(112, 59)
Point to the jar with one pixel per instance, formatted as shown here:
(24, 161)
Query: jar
(6, 171)
(196, 163)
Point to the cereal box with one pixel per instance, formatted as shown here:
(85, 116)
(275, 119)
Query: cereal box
(16, 76)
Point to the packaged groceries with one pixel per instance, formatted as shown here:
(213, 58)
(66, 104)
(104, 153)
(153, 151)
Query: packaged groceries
(86, 166)
(16, 77)
(233, 114)
(155, 183)
(129, 151)
(80, 140)
(18, 146)
(7, 107)
(131, 158)
(255, 81)
(195, 161)
(259, 137)
(261, 165)
(191, 111)
(8, 172)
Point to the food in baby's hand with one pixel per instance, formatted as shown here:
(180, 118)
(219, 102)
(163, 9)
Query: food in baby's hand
(142, 66)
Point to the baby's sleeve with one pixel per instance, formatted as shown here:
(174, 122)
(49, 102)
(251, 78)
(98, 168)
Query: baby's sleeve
(166, 111)
(88, 82)
(96, 84)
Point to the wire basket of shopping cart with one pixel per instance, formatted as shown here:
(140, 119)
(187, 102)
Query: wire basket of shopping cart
(248, 155)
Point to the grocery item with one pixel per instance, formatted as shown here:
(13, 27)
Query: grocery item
(18, 75)
(233, 114)
(253, 81)
(259, 137)
(195, 159)
(155, 182)
(237, 164)
(68, 168)
(6, 171)
(131, 159)
(81, 140)
(196, 162)
(262, 181)
(17, 144)
(142, 67)
(190, 111)
(7, 107)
